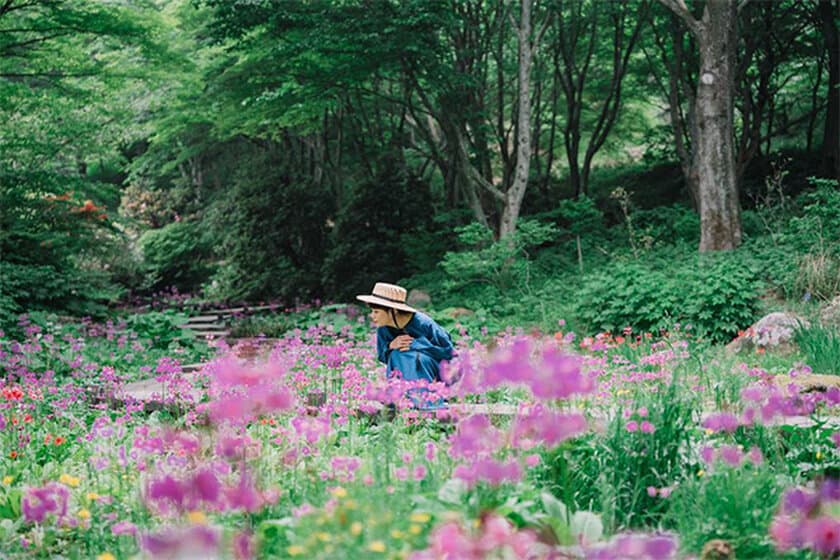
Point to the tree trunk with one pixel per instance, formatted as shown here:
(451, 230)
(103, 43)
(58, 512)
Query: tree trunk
(720, 223)
(516, 192)
(829, 13)
(713, 151)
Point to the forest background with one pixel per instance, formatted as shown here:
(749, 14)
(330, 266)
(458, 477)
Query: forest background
(611, 163)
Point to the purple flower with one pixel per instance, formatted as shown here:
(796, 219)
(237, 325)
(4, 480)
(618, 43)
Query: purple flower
(798, 501)
(124, 528)
(37, 503)
(196, 541)
(731, 455)
(207, 487)
(167, 488)
(243, 548)
(722, 422)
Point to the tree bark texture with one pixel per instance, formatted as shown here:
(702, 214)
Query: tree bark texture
(713, 154)
(829, 14)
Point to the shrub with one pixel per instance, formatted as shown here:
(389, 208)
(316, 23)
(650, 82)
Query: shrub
(176, 255)
(503, 263)
(716, 294)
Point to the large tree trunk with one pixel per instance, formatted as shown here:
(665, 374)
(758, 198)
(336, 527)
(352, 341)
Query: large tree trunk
(720, 223)
(829, 13)
(713, 152)
(516, 192)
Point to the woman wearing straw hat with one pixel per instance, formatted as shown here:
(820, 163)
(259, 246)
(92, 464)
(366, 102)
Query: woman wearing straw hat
(407, 340)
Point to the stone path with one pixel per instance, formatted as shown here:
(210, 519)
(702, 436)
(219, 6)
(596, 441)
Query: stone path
(151, 390)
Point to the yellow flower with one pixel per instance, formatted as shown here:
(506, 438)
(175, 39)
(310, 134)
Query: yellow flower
(295, 550)
(397, 534)
(68, 480)
(84, 514)
(419, 517)
(377, 546)
(350, 504)
(709, 431)
(355, 528)
(415, 529)
(92, 496)
(106, 556)
(339, 492)
(701, 472)
(8, 480)
(818, 455)
(323, 537)
(197, 518)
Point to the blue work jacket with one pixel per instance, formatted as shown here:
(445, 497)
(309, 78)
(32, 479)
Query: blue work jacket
(430, 346)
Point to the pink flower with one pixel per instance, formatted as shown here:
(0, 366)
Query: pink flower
(784, 533)
(731, 455)
(419, 472)
(50, 499)
(646, 427)
(124, 528)
(401, 473)
(823, 534)
(632, 426)
(532, 460)
(721, 422)
(430, 451)
(242, 546)
(755, 456)
(651, 491)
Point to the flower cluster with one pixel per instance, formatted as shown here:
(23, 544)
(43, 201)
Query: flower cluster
(808, 519)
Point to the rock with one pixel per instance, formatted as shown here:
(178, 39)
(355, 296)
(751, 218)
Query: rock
(772, 332)
(418, 298)
(457, 312)
(808, 382)
(830, 314)
(717, 549)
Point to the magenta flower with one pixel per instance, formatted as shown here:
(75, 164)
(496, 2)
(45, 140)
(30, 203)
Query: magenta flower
(822, 534)
(207, 486)
(731, 455)
(243, 548)
(721, 422)
(546, 427)
(197, 541)
(475, 436)
(167, 488)
(124, 528)
(51, 499)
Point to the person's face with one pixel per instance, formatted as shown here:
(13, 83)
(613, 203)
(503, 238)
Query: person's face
(380, 317)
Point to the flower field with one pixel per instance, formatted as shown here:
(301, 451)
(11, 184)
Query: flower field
(551, 446)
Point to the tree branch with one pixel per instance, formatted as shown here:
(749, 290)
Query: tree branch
(681, 10)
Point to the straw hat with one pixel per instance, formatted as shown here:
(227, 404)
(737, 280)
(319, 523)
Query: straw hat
(388, 295)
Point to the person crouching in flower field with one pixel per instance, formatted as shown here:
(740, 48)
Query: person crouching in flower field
(407, 341)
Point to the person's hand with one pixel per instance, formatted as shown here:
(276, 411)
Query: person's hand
(401, 343)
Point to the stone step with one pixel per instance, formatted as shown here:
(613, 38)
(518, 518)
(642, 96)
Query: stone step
(203, 319)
